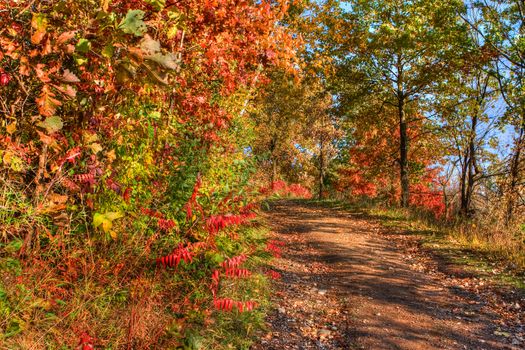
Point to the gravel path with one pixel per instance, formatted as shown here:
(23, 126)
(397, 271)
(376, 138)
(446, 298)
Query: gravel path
(349, 284)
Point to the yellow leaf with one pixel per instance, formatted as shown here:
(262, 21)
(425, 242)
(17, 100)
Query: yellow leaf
(14, 162)
(95, 147)
(58, 198)
(7, 157)
(89, 137)
(39, 24)
(11, 128)
(107, 225)
(106, 220)
(47, 103)
(105, 5)
(111, 156)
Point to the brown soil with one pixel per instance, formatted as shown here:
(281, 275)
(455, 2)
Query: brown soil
(348, 283)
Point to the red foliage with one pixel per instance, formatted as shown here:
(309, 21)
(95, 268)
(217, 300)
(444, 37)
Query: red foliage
(282, 189)
(249, 305)
(249, 207)
(166, 225)
(4, 79)
(224, 304)
(234, 262)
(85, 342)
(352, 180)
(231, 269)
(297, 190)
(279, 186)
(234, 272)
(199, 246)
(221, 46)
(215, 279)
(113, 185)
(427, 195)
(274, 247)
(127, 194)
(173, 260)
(85, 178)
(273, 274)
(227, 304)
(216, 223)
(70, 185)
(192, 202)
(152, 213)
(71, 156)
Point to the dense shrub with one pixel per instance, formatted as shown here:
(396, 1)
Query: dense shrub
(282, 189)
(121, 142)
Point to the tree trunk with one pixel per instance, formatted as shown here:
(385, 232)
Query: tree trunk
(514, 175)
(445, 201)
(469, 171)
(471, 167)
(463, 185)
(403, 137)
(403, 152)
(321, 169)
(273, 177)
(273, 161)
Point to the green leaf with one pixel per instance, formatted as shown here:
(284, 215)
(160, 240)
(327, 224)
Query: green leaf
(14, 246)
(155, 115)
(108, 51)
(52, 124)
(133, 23)
(83, 46)
(80, 60)
(15, 326)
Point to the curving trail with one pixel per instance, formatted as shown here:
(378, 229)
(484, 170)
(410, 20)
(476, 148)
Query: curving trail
(347, 283)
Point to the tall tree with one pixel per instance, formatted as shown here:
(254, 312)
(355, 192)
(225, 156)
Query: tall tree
(465, 102)
(501, 25)
(402, 48)
(322, 132)
(280, 121)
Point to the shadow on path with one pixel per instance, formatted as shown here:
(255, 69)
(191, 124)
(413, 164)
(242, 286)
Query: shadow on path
(383, 302)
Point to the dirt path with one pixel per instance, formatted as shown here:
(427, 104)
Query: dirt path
(347, 284)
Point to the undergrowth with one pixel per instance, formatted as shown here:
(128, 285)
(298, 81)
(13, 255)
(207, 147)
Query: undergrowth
(120, 303)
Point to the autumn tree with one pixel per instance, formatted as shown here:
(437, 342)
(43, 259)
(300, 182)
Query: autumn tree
(401, 49)
(323, 133)
(501, 26)
(279, 122)
(465, 104)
